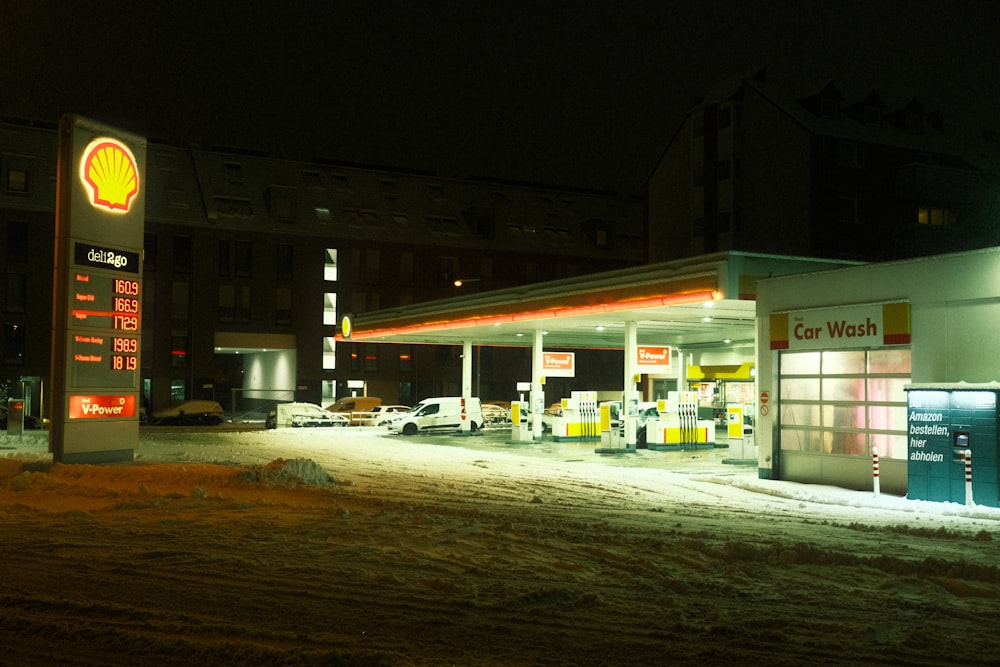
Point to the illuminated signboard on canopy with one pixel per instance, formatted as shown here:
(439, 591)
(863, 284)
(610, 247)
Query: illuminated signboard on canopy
(652, 358)
(559, 364)
(97, 293)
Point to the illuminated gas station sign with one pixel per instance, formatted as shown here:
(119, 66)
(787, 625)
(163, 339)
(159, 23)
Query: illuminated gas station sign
(98, 293)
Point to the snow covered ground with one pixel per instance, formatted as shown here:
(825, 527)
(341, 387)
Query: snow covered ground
(473, 550)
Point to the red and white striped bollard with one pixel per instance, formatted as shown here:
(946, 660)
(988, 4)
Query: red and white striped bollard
(968, 477)
(875, 482)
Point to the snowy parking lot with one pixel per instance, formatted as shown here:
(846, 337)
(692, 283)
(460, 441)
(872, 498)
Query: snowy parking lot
(474, 550)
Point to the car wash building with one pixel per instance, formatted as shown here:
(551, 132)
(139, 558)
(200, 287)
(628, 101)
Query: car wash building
(840, 354)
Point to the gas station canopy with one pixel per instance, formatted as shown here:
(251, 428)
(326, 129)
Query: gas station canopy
(701, 302)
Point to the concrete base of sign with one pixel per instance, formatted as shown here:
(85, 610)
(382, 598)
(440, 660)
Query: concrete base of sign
(111, 456)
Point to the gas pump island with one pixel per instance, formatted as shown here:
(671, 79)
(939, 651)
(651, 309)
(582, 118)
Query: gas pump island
(97, 294)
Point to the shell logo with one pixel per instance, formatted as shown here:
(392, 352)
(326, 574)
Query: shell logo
(109, 174)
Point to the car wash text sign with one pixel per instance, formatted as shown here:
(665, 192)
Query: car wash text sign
(874, 325)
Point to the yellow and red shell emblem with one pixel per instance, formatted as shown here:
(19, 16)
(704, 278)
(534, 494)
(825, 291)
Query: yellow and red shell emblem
(109, 173)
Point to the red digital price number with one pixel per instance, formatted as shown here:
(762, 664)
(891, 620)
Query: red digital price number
(123, 304)
(121, 362)
(129, 345)
(125, 322)
(127, 287)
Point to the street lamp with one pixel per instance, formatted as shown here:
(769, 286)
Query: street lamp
(461, 281)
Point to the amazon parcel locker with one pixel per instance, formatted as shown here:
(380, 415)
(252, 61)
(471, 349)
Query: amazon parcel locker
(943, 423)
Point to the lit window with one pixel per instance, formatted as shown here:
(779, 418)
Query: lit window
(17, 180)
(936, 217)
(330, 269)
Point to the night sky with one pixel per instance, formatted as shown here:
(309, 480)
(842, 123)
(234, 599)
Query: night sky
(576, 93)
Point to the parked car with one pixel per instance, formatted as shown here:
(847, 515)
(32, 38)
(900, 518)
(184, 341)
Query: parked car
(381, 414)
(354, 407)
(495, 414)
(188, 413)
(299, 415)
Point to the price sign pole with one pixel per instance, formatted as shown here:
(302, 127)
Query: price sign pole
(97, 293)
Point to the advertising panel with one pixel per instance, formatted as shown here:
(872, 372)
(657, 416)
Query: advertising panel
(559, 364)
(653, 358)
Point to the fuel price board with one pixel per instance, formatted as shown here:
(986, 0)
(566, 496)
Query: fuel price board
(97, 293)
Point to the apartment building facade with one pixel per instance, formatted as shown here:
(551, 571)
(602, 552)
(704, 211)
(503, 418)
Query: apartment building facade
(251, 259)
(759, 168)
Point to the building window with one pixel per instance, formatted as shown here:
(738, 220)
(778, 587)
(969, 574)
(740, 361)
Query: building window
(234, 173)
(13, 344)
(373, 265)
(698, 176)
(532, 272)
(725, 169)
(829, 107)
(281, 203)
(227, 304)
(406, 268)
(936, 217)
(244, 259)
(371, 358)
(872, 115)
(329, 353)
(447, 271)
(725, 118)
(330, 309)
(405, 357)
(698, 227)
(340, 183)
(330, 267)
(225, 258)
(323, 214)
(285, 261)
(178, 390)
(245, 310)
(697, 125)
(283, 306)
(850, 154)
(233, 207)
(17, 240)
(17, 180)
(16, 293)
(179, 350)
(182, 254)
(725, 222)
(850, 210)
(180, 301)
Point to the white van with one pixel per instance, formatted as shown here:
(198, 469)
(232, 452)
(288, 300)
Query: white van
(439, 415)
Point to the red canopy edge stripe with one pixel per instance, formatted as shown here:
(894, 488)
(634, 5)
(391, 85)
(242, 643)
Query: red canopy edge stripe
(676, 298)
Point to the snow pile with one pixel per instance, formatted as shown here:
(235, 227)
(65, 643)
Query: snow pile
(282, 472)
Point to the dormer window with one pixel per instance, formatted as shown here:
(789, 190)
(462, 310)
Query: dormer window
(873, 115)
(829, 107)
(914, 123)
